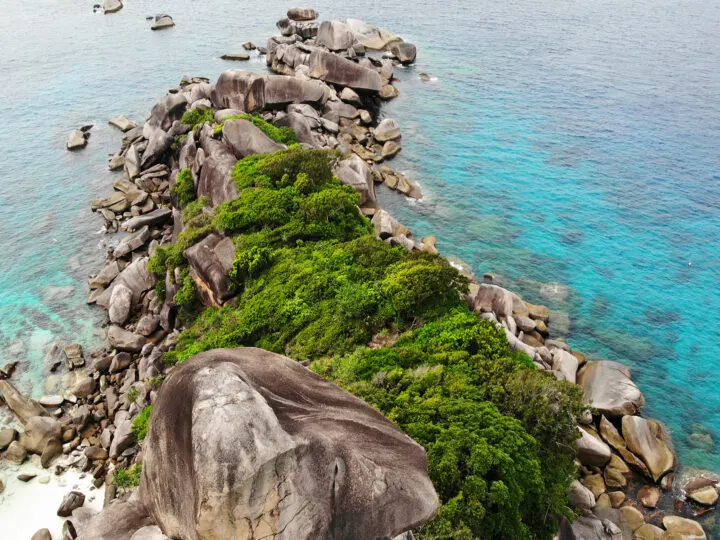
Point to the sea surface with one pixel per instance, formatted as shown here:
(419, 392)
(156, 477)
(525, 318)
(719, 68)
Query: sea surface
(574, 143)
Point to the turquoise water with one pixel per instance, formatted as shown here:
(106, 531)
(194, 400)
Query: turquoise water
(566, 142)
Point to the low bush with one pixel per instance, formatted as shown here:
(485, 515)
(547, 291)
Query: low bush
(184, 188)
(141, 423)
(197, 116)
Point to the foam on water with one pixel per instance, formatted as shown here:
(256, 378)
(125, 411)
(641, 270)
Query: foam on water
(568, 142)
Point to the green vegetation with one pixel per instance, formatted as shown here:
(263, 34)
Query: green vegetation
(283, 135)
(198, 116)
(184, 188)
(132, 395)
(314, 283)
(127, 478)
(194, 209)
(155, 382)
(499, 433)
(141, 423)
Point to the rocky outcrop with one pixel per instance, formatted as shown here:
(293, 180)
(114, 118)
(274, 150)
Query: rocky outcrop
(335, 36)
(404, 52)
(77, 139)
(335, 69)
(22, 407)
(210, 261)
(371, 37)
(609, 389)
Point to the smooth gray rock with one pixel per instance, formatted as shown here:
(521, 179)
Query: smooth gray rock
(335, 35)
(387, 130)
(162, 21)
(42, 534)
(130, 243)
(105, 276)
(121, 122)
(580, 496)
(38, 431)
(150, 532)
(404, 52)
(608, 388)
(371, 37)
(333, 68)
(592, 451)
(386, 226)
(235, 56)
(292, 452)
(71, 501)
(135, 277)
(7, 435)
(215, 180)
(210, 262)
(491, 298)
(156, 217)
(83, 386)
(77, 140)
(167, 111)
(245, 139)
(123, 340)
(122, 439)
(15, 453)
(112, 6)
(565, 363)
(303, 29)
(302, 14)
(356, 173)
(277, 91)
(232, 87)
(22, 407)
(120, 304)
(643, 443)
(302, 126)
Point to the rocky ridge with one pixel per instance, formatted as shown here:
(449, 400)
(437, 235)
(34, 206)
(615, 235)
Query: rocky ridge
(329, 90)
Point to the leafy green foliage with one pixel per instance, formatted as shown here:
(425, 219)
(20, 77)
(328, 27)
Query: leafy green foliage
(184, 188)
(283, 135)
(132, 394)
(198, 116)
(185, 295)
(141, 423)
(314, 283)
(194, 208)
(127, 478)
(499, 433)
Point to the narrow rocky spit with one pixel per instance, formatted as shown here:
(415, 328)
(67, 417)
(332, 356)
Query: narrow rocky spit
(230, 421)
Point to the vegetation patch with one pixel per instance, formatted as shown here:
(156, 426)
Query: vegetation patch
(184, 188)
(198, 116)
(128, 478)
(283, 135)
(141, 423)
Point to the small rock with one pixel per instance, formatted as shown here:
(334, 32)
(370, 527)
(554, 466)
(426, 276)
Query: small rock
(7, 435)
(390, 149)
(95, 453)
(15, 453)
(249, 46)
(25, 477)
(683, 526)
(649, 532)
(649, 496)
(77, 140)
(44, 479)
(388, 91)
(51, 401)
(706, 496)
(122, 123)
(404, 52)
(162, 21)
(633, 516)
(70, 502)
(112, 6)
(235, 56)
(42, 534)
(302, 14)
(387, 130)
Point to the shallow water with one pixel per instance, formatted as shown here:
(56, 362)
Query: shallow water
(567, 142)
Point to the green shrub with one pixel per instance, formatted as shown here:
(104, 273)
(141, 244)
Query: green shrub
(249, 263)
(184, 188)
(132, 394)
(194, 208)
(198, 116)
(141, 423)
(127, 478)
(185, 295)
(155, 382)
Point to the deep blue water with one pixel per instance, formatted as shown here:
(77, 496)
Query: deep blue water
(570, 142)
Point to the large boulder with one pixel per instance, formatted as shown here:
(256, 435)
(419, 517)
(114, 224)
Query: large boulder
(38, 431)
(492, 299)
(591, 451)
(137, 279)
(232, 87)
(122, 340)
(210, 261)
(371, 37)
(608, 388)
(685, 529)
(335, 35)
(335, 69)
(165, 112)
(156, 217)
(245, 139)
(565, 363)
(302, 14)
(356, 173)
(22, 407)
(215, 180)
(404, 52)
(387, 130)
(263, 447)
(387, 226)
(281, 90)
(643, 443)
(119, 304)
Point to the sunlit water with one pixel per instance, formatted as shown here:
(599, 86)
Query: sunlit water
(568, 142)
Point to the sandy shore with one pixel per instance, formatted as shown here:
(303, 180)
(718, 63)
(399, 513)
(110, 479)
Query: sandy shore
(26, 507)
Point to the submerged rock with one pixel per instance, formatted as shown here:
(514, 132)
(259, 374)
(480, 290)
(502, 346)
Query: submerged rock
(404, 52)
(112, 6)
(235, 56)
(77, 140)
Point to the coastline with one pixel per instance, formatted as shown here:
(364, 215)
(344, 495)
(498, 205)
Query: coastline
(492, 303)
